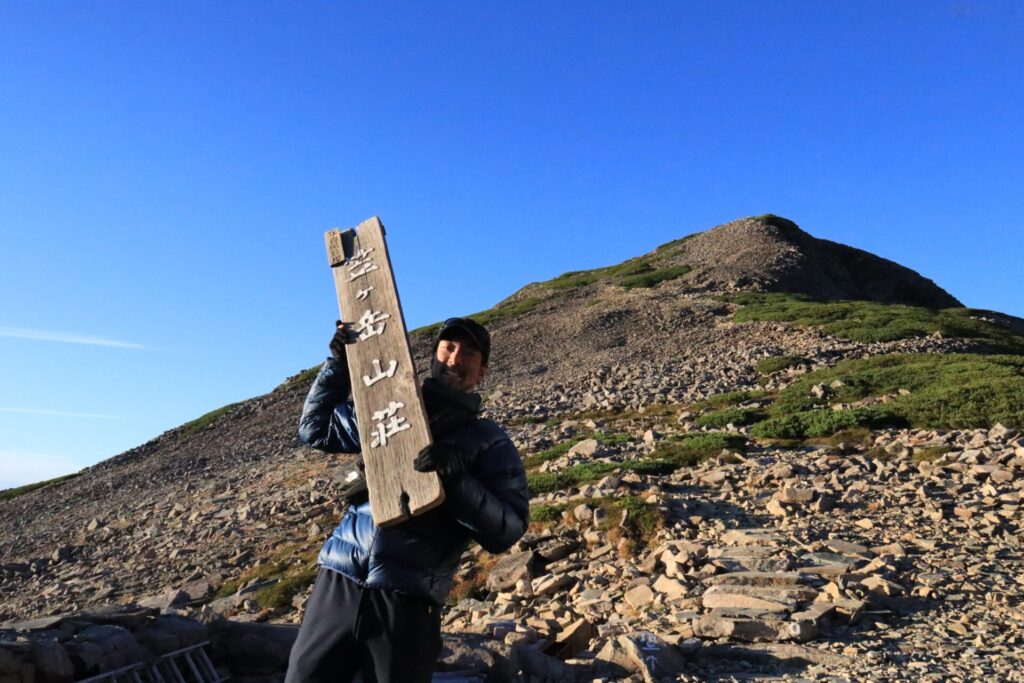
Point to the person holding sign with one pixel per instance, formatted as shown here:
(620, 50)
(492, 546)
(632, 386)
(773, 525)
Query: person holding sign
(376, 605)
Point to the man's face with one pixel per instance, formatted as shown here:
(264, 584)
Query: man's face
(458, 364)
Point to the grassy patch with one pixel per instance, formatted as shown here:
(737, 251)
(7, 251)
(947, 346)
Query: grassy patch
(669, 456)
(547, 514)
(731, 398)
(652, 410)
(953, 391)
(572, 279)
(854, 436)
(291, 568)
(654, 277)
(305, 377)
(535, 420)
(735, 416)
(280, 594)
(491, 315)
(642, 523)
(637, 272)
(671, 247)
(558, 450)
(547, 482)
(868, 321)
(822, 422)
(929, 453)
(709, 443)
(767, 366)
(7, 494)
(202, 422)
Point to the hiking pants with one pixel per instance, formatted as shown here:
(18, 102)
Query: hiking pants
(350, 629)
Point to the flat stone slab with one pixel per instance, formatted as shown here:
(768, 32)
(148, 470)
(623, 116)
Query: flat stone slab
(749, 537)
(40, 624)
(748, 578)
(750, 558)
(740, 613)
(712, 599)
(779, 593)
(837, 545)
(753, 630)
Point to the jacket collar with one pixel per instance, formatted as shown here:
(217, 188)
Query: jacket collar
(440, 398)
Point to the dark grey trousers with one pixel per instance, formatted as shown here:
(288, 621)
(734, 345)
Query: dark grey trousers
(349, 629)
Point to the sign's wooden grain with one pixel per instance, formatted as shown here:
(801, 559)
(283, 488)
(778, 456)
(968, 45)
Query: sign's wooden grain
(393, 424)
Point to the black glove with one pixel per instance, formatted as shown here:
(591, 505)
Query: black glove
(445, 459)
(343, 336)
(353, 487)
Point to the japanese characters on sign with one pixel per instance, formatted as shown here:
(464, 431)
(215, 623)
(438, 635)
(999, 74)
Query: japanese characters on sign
(392, 418)
(387, 422)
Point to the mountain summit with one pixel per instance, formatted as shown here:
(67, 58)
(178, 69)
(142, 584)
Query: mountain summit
(771, 253)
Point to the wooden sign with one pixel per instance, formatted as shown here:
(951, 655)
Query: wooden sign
(393, 425)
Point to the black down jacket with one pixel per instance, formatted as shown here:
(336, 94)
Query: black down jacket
(487, 503)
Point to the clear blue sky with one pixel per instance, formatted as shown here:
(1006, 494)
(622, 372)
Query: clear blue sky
(167, 171)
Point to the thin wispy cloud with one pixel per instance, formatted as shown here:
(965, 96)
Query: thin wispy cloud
(66, 338)
(58, 413)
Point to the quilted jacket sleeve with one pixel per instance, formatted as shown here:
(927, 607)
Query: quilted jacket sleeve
(491, 498)
(328, 420)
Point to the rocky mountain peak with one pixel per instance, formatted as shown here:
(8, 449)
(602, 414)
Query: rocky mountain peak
(771, 253)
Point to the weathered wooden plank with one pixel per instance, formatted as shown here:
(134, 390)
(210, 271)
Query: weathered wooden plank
(393, 424)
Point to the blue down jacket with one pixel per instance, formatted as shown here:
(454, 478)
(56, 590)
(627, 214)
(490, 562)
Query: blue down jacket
(487, 503)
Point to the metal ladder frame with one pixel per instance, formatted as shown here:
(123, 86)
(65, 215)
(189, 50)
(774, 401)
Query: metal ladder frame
(193, 657)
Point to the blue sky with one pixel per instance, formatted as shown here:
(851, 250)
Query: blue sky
(167, 171)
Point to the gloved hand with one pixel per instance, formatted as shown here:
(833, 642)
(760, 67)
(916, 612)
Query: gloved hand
(353, 487)
(445, 459)
(343, 336)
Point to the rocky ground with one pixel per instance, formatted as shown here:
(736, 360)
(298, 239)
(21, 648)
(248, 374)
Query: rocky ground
(896, 558)
(887, 555)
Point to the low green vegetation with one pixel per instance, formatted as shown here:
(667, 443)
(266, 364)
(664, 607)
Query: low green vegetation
(823, 422)
(305, 378)
(203, 421)
(491, 315)
(8, 494)
(669, 456)
(654, 277)
(929, 453)
(868, 321)
(956, 391)
(767, 366)
(280, 594)
(641, 525)
(672, 247)
(637, 272)
(854, 436)
(573, 279)
(534, 420)
(546, 514)
(732, 398)
(291, 569)
(625, 415)
(546, 482)
(704, 444)
(735, 416)
(558, 450)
